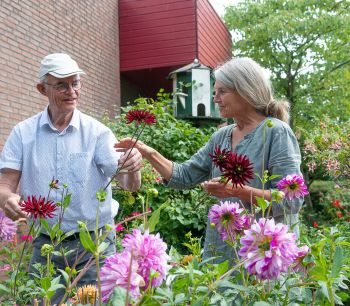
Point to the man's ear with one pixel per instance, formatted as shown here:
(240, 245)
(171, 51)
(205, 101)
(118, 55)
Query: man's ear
(41, 88)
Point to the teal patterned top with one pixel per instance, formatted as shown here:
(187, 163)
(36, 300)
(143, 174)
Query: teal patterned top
(275, 149)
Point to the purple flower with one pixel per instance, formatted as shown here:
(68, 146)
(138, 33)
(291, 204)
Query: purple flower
(299, 266)
(228, 219)
(149, 252)
(268, 249)
(293, 186)
(116, 271)
(8, 228)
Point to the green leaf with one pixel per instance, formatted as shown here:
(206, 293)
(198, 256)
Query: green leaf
(262, 203)
(118, 296)
(67, 200)
(45, 225)
(337, 262)
(102, 247)
(324, 289)
(180, 298)
(86, 240)
(216, 299)
(273, 176)
(262, 303)
(318, 273)
(65, 275)
(45, 283)
(4, 288)
(227, 284)
(222, 267)
(65, 235)
(154, 219)
(198, 302)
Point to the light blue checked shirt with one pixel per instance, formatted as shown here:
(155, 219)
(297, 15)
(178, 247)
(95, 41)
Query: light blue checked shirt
(81, 156)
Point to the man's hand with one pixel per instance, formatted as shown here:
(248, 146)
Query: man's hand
(130, 161)
(129, 177)
(12, 208)
(9, 200)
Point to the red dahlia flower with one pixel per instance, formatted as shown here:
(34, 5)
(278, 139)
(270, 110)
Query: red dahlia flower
(38, 207)
(336, 203)
(140, 116)
(220, 157)
(238, 169)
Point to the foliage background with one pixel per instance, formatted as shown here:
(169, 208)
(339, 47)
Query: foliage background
(177, 140)
(305, 45)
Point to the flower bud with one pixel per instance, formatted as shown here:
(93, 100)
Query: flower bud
(46, 249)
(153, 192)
(108, 227)
(277, 196)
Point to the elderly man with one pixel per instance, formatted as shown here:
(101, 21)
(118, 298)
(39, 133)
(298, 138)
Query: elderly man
(72, 147)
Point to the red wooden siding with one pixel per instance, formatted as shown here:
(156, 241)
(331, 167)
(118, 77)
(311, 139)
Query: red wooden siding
(214, 40)
(156, 33)
(164, 33)
(160, 36)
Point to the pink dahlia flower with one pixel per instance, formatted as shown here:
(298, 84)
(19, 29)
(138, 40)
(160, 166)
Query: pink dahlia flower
(268, 249)
(299, 265)
(5, 268)
(29, 238)
(116, 271)
(228, 219)
(8, 228)
(293, 186)
(149, 252)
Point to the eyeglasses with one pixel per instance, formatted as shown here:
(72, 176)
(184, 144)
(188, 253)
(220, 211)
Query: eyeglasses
(63, 87)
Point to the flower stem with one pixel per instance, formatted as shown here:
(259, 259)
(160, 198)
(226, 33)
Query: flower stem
(97, 255)
(20, 260)
(97, 259)
(120, 168)
(129, 281)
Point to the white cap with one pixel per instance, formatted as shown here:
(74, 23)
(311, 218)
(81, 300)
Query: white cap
(59, 65)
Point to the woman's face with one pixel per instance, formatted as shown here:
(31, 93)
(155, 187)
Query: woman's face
(230, 103)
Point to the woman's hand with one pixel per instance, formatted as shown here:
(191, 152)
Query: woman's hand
(131, 160)
(127, 143)
(220, 190)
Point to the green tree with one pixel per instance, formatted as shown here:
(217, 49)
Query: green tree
(305, 45)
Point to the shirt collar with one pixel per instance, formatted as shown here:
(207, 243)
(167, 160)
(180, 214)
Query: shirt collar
(74, 122)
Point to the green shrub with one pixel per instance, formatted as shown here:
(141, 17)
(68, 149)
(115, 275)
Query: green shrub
(177, 140)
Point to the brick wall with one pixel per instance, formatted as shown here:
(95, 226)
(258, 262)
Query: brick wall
(31, 29)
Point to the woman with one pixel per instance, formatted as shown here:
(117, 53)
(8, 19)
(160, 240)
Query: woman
(242, 92)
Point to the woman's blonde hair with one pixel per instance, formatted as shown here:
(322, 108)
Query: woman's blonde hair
(251, 82)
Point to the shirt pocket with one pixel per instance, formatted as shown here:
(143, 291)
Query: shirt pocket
(78, 167)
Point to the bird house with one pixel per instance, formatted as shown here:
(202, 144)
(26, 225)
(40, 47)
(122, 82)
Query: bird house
(193, 93)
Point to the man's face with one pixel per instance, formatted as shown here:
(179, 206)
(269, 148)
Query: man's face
(62, 93)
